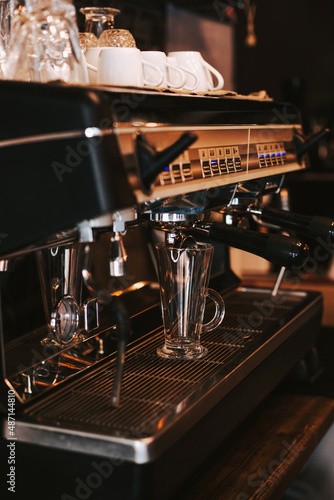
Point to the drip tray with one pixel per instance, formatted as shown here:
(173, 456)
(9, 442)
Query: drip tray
(162, 399)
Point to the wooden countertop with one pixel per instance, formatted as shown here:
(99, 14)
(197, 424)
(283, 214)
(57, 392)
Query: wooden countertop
(263, 457)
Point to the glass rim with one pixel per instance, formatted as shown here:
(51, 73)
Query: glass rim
(201, 246)
(100, 10)
(115, 30)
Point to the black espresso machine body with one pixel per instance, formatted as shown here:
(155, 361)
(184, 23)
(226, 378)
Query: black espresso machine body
(82, 164)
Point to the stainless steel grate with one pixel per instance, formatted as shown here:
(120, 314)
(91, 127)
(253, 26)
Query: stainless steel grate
(155, 389)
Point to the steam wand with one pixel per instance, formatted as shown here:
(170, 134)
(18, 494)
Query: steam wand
(278, 281)
(119, 312)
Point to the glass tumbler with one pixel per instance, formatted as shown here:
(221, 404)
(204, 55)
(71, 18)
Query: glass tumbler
(183, 276)
(99, 19)
(2, 61)
(117, 38)
(87, 41)
(6, 8)
(99, 22)
(44, 44)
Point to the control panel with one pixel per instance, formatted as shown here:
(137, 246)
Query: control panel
(176, 172)
(222, 161)
(221, 155)
(271, 154)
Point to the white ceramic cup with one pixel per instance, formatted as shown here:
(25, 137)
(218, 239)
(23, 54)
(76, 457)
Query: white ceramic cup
(91, 56)
(123, 66)
(194, 62)
(160, 60)
(174, 63)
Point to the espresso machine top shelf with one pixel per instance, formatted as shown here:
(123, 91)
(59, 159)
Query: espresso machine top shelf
(189, 109)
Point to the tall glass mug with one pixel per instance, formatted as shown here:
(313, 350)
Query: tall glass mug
(183, 276)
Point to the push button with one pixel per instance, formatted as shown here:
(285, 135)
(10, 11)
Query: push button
(206, 169)
(215, 167)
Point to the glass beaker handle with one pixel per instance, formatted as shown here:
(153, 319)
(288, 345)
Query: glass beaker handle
(219, 312)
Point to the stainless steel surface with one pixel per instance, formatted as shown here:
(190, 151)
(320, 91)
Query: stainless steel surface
(61, 285)
(213, 173)
(30, 139)
(91, 316)
(118, 257)
(178, 219)
(162, 399)
(220, 156)
(67, 377)
(64, 320)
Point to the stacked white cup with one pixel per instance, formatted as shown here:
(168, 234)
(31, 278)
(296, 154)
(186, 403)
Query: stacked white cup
(196, 65)
(129, 67)
(122, 66)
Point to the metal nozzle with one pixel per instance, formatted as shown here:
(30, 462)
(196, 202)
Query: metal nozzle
(118, 257)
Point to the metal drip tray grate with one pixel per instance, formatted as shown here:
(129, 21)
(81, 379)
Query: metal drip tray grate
(157, 392)
(152, 387)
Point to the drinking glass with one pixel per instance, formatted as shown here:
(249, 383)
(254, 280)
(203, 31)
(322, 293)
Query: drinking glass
(5, 22)
(2, 61)
(44, 44)
(9, 11)
(116, 38)
(183, 276)
(98, 19)
(100, 22)
(87, 41)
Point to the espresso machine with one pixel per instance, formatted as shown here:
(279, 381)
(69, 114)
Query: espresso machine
(98, 414)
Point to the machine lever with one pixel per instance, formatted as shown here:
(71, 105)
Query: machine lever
(276, 248)
(153, 162)
(307, 226)
(302, 146)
